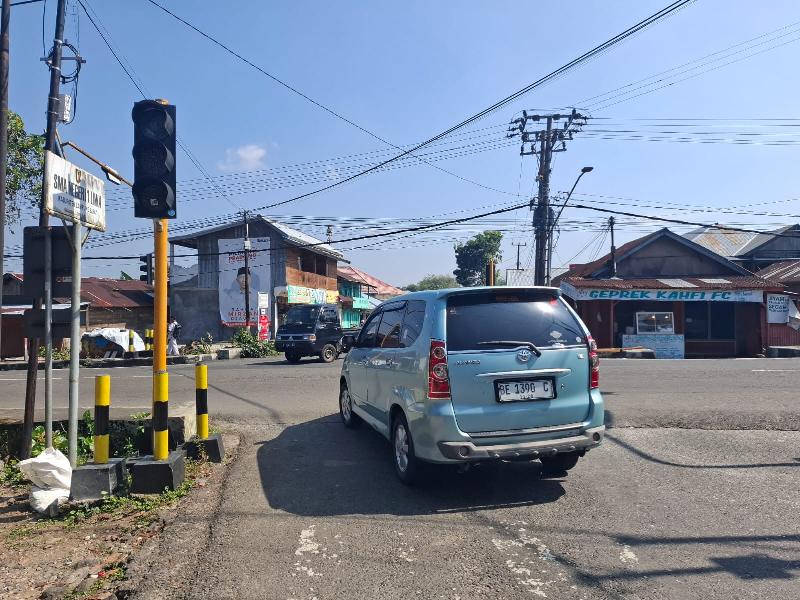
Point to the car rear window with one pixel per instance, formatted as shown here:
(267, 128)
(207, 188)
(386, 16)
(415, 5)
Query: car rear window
(526, 316)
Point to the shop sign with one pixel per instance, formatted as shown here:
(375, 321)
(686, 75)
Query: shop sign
(297, 294)
(664, 346)
(777, 308)
(684, 295)
(361, 302)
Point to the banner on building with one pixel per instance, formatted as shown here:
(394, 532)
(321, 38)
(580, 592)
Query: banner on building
(664, 346)
(684, 295)
(234, 279)
(297, 294)
(777, 308)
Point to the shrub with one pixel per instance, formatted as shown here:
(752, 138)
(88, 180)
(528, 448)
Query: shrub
(251, 346)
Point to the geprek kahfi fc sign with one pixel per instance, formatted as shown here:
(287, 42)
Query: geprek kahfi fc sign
(685, 295)
(73, 194)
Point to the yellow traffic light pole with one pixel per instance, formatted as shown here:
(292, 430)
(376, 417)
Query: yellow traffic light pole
(160, 377)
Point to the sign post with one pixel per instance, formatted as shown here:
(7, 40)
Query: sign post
(76, 196)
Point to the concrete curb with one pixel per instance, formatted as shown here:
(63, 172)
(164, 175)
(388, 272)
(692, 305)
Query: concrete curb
(783, 351)
(624, 353)
(110, 363)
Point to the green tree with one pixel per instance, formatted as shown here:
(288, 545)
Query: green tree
(24, 171)
(433, 282)
(473, 255)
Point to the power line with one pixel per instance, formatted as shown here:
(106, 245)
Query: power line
(198, 165)
(585, 57)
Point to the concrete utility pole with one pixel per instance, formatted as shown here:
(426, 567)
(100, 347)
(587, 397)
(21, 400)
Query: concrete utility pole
(541, 212)
(5, 56)
(611, 222)
(44, 221)
(551, 139)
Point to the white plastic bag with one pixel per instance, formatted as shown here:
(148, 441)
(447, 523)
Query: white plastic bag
(50, 469)
(47, 500)
(51, 476)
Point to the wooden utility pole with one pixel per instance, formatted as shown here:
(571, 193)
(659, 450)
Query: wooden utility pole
(542, 210)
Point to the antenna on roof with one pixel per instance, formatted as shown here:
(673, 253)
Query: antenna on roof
(329, 233)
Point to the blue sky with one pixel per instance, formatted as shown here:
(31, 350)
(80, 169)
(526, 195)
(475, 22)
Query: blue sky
(407, 70)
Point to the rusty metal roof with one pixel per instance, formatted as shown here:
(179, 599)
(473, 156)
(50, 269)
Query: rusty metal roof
(102, 292)
(721, 241)
(786, 271)
(381, 288)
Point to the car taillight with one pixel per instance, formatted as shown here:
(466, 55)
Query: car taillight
(594, 364)
(438, 378)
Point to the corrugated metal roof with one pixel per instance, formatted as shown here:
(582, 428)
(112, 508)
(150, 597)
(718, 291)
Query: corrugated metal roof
(721, 241)
(381, 288)
(290, 234)
(731, 283)
(785, 271)
(102, 292)
(761, 239)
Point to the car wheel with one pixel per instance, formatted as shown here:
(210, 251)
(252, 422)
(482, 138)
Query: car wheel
(559, 464)
(406, 463)
(328, 353)
(293, 357)
(350, 419)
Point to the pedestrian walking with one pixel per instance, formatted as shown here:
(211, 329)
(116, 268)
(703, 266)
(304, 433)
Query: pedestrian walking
(173, 333)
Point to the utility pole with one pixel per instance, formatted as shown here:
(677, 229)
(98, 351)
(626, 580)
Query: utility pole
(551, 139)
(5, 57)
(44, 221)
(611, 222)
(518, 245)
(246, 272)
(540, 213)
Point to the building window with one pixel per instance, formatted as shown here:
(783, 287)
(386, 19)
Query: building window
(655, 322)
(710, 320)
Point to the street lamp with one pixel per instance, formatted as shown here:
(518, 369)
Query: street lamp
(583, 172)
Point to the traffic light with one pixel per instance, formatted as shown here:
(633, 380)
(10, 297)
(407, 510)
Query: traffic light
(154, 160)
(147, 268)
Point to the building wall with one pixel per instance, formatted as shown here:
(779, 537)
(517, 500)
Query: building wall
(668, 258)
(137, 319)
(197, 310)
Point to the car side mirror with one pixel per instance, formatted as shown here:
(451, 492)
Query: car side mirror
(348, 341)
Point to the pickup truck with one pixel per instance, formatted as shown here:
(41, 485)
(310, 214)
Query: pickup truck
(311, 330)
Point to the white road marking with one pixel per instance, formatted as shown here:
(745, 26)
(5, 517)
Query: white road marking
(775, 370)
(627, 555)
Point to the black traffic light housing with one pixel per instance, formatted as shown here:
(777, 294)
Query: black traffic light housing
(154, 184)
(147, 268)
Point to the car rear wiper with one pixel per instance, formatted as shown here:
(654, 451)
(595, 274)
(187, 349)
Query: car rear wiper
(530, 345)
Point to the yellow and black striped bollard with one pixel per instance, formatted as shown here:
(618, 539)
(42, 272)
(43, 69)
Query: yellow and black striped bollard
(102, 405)
(201, 400)
(131, 347)
(160, 416)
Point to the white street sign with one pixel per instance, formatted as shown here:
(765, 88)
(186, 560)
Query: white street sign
(73, 194)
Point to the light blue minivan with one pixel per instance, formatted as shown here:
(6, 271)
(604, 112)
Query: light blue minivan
(476, 374)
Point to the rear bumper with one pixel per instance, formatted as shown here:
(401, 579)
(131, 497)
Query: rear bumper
(466, 450)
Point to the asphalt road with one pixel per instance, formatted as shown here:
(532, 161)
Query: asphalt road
(694, 494)
(708, 394)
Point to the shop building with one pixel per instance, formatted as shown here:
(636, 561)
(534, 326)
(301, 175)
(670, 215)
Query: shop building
(286, 267)
(360, 293)
(677, 297)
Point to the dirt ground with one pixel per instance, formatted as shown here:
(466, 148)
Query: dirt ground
(85, 552)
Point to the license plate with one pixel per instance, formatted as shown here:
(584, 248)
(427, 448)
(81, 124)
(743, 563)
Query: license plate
(515, 391)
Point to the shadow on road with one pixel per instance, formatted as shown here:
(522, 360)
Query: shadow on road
(319, 468)
(649, 457)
